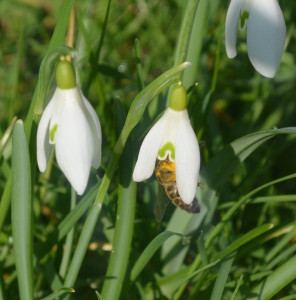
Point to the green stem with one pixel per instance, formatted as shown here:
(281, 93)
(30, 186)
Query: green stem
(123, 231)
(184, 35)
(185, 32)
(69, 241)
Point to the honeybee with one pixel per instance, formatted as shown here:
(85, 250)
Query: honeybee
(165, 172)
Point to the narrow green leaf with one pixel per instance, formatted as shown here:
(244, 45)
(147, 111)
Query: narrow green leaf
(99, 296)
(252, 234)
(168, 284)
(238, 285)
(149, 251)
(21, 212)
(58, 36)
(291, 297)
(277, 280)
(124, 227)
(222, 278)
(140, 77)
(58, 293)
(244, 146)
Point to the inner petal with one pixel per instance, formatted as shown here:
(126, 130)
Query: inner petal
(167, 150)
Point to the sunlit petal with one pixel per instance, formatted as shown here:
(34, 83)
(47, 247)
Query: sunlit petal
(231, 26)
(96, 132)
(148, 151)
(74, 143)
(187, 161)
(60, 97)
(43, 146)
(266, 34)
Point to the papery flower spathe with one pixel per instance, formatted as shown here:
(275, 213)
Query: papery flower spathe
(172, 136)
(70, 122)
(266, 32)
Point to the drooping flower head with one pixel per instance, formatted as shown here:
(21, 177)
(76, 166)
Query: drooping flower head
(266, 32)
(70, 123)
(172, 136)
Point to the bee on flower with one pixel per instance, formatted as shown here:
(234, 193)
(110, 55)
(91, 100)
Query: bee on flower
(171, 147)
(71, 124)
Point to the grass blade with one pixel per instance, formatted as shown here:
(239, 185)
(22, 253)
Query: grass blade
(222, 278)
(58, 293)
(281, 277)
(149, 251)
(124, 228)
(21, 211)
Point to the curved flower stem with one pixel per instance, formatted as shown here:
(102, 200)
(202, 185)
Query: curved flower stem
(184, 35)
(185, 32)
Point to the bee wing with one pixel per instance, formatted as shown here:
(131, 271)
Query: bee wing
(161, 203)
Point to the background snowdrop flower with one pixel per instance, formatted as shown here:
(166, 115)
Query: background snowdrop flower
(172, 137)
(70, 122)
(266, 32)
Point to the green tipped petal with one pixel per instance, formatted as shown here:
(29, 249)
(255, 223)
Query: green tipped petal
(167, 148)
(65, 75)
(178, 98)
(244, 17)
(53, 132)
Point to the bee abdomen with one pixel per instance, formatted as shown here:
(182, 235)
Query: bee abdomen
(172, 191)
(192, 208)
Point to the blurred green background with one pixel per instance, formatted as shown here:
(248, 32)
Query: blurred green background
(242, 102)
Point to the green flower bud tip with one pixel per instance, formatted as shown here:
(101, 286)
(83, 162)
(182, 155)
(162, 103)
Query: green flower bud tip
(178, 97)
(65, 74)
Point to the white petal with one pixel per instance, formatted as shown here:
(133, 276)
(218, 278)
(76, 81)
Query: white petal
(74, 142)
(96, 132)
(187, 161)
(59, 98)
(148, 152)
(266, 35)
(231, 26)
(43, 146)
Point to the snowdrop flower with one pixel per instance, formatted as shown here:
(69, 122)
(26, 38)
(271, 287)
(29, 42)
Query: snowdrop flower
(266, 32)
(70, 123)
(172, 136)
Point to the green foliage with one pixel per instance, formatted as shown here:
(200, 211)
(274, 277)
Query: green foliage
(107, 243)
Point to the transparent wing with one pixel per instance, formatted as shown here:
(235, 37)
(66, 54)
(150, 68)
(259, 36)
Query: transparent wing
(161, 203)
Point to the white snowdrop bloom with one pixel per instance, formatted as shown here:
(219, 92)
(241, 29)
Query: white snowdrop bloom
(172, 136)
(266, 32)
(70, 123)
